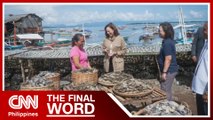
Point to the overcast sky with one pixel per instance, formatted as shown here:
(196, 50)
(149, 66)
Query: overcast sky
(74, 14)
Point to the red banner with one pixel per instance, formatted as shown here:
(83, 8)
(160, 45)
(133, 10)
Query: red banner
(59, 105)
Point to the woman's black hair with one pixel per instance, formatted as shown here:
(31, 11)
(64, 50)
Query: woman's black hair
(112, 26)
(168, 29)
(76, 38)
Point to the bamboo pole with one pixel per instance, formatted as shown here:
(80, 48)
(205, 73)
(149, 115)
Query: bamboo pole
(22, 70)
(14, 33)
(30, 68)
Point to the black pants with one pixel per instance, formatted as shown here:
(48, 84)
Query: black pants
(202, 107)
(110, 65)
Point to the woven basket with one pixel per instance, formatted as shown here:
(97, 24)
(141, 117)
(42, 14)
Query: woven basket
(56, 80)
(127, 94)
(86, 78)
(25, 87)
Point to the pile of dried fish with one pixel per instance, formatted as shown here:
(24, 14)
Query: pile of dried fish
(132, 88)
(86, 70)
(166, 107)
(40, 80)
(111, 79)
(132, 85)
(47, 74)
(81, 87)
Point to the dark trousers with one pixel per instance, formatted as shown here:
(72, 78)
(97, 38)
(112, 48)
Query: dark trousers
(110, 65)
(202, 107)
(166, 85)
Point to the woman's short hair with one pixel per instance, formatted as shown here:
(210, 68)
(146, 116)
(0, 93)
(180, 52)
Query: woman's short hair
(112, 26)
(168, 29)
(76, 38)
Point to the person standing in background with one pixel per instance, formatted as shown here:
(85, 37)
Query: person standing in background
(200, 78)
(114, 49)
(197, 44)
(78, 56)
(167, 58)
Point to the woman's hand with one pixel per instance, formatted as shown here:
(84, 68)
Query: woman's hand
(111, 54)
(205, 97)
(89, 67)
(194, 58)
(163, 76)
(105, 50)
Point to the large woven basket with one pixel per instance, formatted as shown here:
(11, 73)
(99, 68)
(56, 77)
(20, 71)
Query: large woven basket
(56, 80)
(25, 87)
(84, 78)
(127, 94)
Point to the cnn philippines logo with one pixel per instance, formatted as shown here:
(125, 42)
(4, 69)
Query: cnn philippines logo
(18, 101)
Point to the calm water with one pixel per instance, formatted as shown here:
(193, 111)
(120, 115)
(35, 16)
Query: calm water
(133, 30)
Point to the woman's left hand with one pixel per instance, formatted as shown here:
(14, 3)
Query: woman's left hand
(111, 54)
(89, 66)
(163, 76)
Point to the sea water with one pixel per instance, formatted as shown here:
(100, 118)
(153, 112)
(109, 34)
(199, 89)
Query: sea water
(132, 30)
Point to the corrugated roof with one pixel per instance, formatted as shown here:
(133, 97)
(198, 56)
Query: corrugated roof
(17, 17)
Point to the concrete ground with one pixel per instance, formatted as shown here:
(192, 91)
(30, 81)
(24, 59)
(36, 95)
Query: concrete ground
(181, 93)
(184, 94)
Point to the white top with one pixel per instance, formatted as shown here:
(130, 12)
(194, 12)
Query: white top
(200, 78)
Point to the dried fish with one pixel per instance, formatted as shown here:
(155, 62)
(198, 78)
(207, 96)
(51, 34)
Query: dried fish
(166, 107)
(40, 80)
(132, 85)
(114, 77)
(81, 87)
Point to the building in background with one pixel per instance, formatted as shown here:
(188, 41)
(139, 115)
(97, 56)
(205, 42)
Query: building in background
(22, 24)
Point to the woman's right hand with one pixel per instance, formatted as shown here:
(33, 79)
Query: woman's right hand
(105, 50)
(205, 97)
(111, 54)
(89, 67)
(194, 58)
(163, 76)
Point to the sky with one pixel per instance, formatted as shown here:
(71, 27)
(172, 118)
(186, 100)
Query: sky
(71, 14)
